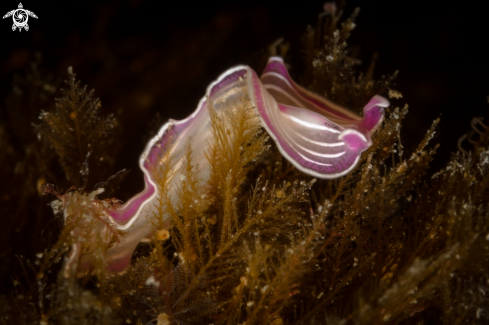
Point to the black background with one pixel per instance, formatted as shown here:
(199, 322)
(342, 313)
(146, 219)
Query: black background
(145, 57)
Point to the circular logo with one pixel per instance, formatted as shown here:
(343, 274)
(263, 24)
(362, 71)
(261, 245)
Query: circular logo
(20, 18)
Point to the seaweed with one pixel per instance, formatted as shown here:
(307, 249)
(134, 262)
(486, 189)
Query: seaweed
(76, 132)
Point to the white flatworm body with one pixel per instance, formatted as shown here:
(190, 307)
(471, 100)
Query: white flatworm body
(318, 137)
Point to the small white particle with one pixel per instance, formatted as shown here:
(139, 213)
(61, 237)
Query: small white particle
(151, 281)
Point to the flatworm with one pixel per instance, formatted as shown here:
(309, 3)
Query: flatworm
(317, 136)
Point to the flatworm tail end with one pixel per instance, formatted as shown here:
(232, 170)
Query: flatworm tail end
(170, 141)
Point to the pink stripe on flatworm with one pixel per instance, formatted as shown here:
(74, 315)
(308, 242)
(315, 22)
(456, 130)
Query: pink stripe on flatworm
(276, 66)
(128, 210)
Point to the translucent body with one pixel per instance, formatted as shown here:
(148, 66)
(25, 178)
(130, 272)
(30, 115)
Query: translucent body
(317, 136)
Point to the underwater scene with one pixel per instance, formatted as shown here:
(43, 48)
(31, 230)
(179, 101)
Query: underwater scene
(242, 163)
